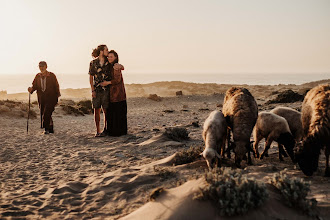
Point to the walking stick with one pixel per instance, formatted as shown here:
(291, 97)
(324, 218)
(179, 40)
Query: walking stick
(27, 123)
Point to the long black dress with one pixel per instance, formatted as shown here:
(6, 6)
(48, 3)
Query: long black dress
(117, 118)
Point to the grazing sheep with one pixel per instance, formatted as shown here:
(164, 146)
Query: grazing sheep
(241, 112)
(214, 135)
(316, 130)
(293, 117)
(273, 128)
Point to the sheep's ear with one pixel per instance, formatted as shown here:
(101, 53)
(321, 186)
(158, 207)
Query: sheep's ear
(216, 154)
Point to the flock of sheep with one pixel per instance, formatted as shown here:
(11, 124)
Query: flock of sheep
(300, 135)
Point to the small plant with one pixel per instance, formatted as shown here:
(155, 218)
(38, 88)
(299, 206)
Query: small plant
(187, 156)
(294, 192)
(71, 110)
(164, 172)
(232, 192)
(85, 106)
(176, 133)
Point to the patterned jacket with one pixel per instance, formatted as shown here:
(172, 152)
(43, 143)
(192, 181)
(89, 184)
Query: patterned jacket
(100, 73)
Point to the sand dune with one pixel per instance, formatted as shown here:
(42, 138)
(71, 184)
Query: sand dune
(72, 175)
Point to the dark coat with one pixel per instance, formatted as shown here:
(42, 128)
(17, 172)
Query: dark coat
(52, 92)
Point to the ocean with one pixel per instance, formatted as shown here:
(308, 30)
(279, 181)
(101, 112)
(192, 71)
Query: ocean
(20, 82)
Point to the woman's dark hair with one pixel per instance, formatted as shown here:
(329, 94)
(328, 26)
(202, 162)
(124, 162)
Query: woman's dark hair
(116, 55)
(96, 51)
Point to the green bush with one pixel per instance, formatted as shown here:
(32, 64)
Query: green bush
(232, 192)
(294, 192)
(187, 155)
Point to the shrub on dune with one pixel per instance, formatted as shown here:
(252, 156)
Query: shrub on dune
(176, 133)
(187, 155)
(294, 192)
(232, 192)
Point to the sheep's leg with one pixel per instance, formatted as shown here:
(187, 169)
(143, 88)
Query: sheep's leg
(228, 144)
(249, 161)
(223, 147)
(258, 138)
(327, 153)
(283, 152)
(267, 146)
(280, 151)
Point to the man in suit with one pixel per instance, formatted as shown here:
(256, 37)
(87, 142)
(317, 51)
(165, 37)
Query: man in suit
(48, 92)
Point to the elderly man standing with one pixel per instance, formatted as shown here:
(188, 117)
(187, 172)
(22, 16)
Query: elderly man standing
(48, 91)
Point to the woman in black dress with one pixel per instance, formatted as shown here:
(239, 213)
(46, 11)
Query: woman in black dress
(117, 111)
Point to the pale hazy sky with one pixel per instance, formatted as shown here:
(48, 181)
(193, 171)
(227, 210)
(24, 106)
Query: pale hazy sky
(172, 36)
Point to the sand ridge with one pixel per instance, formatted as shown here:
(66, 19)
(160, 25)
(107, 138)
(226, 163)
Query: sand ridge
(72, 175)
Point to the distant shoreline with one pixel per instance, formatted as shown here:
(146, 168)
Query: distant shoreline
(18, 83)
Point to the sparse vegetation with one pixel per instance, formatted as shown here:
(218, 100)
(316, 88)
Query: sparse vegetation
(187, 155)
(287, 96)
(85, 106)
(80, 108)
(15, 108)
(164, 172)
(176, 133)
(294, 192)
(232, 192)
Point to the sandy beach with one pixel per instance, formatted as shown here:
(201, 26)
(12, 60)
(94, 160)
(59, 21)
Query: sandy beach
(72, 175)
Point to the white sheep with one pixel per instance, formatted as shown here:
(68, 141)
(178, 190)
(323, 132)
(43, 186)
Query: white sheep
(214, 136)
(241, 112)
(273, 128)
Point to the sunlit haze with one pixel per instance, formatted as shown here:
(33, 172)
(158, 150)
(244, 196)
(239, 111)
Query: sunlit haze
(173, 36)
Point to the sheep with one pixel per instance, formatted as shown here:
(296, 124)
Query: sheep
(214, 136)
(315, 116)
(293, 117)
(241, 112)
(273, 128)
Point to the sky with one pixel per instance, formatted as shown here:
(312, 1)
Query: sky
(172, 36)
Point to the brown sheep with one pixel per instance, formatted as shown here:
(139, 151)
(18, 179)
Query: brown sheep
(241, 112)
(316, 130)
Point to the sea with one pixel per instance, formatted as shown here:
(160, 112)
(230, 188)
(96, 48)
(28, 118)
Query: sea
(17, 83)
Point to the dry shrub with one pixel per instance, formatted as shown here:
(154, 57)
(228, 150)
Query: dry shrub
(72, 110)
(176, 133)
(187, 155)
(4, 108)
(232, 192)
(287, 96)
(16, 109)
(164, 172)
(85, 106)
(294, 192)
(80, 108)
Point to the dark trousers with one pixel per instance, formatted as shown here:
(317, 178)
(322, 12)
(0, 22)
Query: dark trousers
(46, 111)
